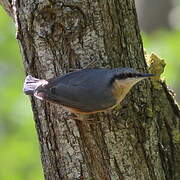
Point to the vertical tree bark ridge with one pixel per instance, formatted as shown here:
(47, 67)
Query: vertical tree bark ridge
(132, 142)
(121, 27)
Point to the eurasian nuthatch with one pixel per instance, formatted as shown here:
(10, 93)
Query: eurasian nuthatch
(86, 91)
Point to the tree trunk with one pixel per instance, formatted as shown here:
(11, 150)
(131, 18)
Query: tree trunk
(134, 141)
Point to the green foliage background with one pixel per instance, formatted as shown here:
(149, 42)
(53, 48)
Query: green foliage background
(19, 151)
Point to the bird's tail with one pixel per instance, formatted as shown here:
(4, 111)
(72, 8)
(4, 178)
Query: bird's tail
(31, 84)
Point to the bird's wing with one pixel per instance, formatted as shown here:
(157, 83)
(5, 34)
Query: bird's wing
(85, 77)
(86, 99)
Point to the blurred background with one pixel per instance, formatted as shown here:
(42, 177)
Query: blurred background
(19, 150)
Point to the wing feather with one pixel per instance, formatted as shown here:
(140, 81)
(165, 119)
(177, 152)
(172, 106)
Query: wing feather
(84, 90)
(82, 98)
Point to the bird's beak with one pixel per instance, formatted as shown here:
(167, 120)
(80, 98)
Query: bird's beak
(146, 75)
(134, 80)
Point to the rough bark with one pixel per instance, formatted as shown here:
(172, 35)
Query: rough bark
(132, 142)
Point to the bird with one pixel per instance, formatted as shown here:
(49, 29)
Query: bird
(86, 91)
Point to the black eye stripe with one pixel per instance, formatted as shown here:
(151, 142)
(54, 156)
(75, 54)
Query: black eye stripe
(125, 75)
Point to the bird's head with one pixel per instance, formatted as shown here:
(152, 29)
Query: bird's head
(129, 76)
(124, 79)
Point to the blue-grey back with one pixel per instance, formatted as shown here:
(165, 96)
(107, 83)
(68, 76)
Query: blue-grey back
(88, 89)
